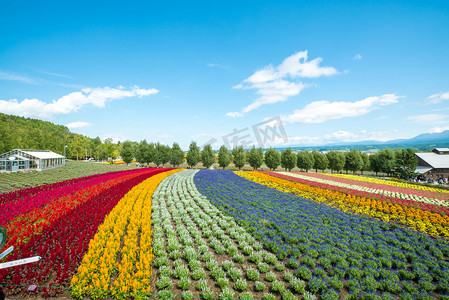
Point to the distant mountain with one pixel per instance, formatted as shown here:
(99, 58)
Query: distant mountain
(425, 141)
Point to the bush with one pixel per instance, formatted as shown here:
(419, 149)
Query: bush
(163, 283)
(240, 285)
(269, 296)
(246, 296)
(198, 274)
(259, 286)
(227, 293)
(278, 287)
(304, 273)
(227, 264)
(298, 286)
(234, 274)
(202, 284)
(270, 277)
(238, 258)
(222, 282)
(184, 283)
(252, 274)
(279, 267)
(263, 267)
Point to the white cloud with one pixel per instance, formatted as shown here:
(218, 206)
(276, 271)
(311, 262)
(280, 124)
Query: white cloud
(211, 65)
(322, 111)
(437, 98)
(276, 83)
(234, 114)
(429, 118)
(357, 57)
(439, 129)
(77, 125)
(70, 103)
(340, 136)
(16, 77)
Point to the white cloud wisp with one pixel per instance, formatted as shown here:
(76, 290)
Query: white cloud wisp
(322, 111)
(277, 83)
(70, 103)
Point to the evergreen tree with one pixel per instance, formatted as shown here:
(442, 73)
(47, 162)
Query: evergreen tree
(386, 160)
(375, 163)
(366, 162)
(208, 156)
(224, 157)
(272, 158)
(321, 161)
(255, 157)
(288, 159)
(354, 161)
(406, 162)
(141, 150)
(336, 160)
(126, 152)
(193, 155)
(176, 155)
(305, 160)
(238, 157)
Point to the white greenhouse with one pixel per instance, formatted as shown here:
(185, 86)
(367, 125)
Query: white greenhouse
(23, 159)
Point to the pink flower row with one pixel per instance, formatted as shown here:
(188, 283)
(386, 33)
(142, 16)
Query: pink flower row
(410, 191)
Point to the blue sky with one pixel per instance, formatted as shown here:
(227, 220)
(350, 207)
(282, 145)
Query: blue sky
(333, 71)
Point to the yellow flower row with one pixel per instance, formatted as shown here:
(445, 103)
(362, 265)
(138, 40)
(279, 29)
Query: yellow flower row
(130, 264)
(417, 219)
(388, 182)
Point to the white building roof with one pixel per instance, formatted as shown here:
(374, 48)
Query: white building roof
(442, 149)
(435, 160)
(422, 169)
(42, 154)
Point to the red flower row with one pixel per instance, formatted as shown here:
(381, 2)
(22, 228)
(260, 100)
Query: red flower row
(409, 203)
(63, 243)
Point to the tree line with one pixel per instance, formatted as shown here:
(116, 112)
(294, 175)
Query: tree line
(398, 161)
(26, 133)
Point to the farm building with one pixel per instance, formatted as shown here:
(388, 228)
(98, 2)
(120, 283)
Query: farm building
(434, 164)
(23, 159)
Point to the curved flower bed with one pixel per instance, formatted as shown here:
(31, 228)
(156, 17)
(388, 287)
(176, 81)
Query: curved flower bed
(424, 206)
(26, 225)
(23, 201)
(129, 220)
(376, 188)
(417, 219)
(388, 182)
(336, 252)
(63, 243)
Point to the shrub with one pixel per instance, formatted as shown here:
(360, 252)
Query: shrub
(181, 272)
(165, 271)
(207, 256)
(211, 264)
(263, 267)
(287, 295)
(198, 274)
(240, 285)
(292, 263)
(164, 282)
(234, 274)
(252, 274)
(298, 286)
(277, 286)
(330, 294)
(279, 267)
(217, 273)
(184, 283)
(175, 254)
(255, 257)
(304, 273)
(270, 277)
(222, 282)
(271, 259)
(309, 296)
(238, 258)
(288, 276)
(202, 284)
(207, 293)
(259, 286)
(269, 296)
(246, 296)
(227, 264)
(227, 293)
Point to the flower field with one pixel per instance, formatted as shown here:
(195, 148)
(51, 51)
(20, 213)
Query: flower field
(159, 233)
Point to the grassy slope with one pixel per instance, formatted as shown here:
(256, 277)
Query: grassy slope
(19, 180)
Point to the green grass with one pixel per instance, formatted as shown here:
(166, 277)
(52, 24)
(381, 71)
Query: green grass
(73, 169)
